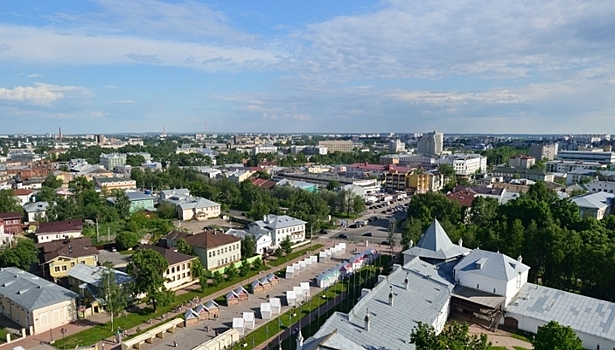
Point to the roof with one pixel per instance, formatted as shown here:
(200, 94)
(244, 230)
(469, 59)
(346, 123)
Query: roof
(170, 255)
(198, 202)
(182, 191)
(429, 294)
(30, 291)
(103, 180)
(93, 274)
(519, 171)
(138, 196)
(11, 215)
(70, 248)
(484, 190)
(35, 207)
(478, 297)
(583, 314)
(210, 239)
(22, 191)
(493, 265)
(278, 221)
(435, 244)
(597, 200)
(60, 226)
(464, 197)
(262, 183)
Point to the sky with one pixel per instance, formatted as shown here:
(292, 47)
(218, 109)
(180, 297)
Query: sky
(346, 66)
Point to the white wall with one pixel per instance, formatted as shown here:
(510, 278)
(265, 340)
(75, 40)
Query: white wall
(178, 275)
(513, 286)
(479, 282)
(43, 238)
(53, 316)
(442, 317)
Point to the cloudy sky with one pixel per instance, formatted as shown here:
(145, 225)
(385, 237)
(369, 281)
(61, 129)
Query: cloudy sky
(507, 66)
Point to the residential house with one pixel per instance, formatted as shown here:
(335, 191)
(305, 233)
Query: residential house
(108, 184)
(522, 161)
(306, 186)
(214, 249)
(85, 280)
(531, 174)
(36, 211)
(138, 201)
(395, 180)
(279, 227)
(179, 272)
(59, 230)
(423, 182)
(596, 205)
(31, 301)
(58, 257)
(23, 195)
(262, 183)
(263, 241)
(12, 222)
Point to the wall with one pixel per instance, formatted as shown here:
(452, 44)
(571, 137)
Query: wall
(485, 284)
(443, 316)
(56, 236)
(296, 234)
(223, 255)
(513, 286)
(55, 316)
(64, 265)
(178, 275)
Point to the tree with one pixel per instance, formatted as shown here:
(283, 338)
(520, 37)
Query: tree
(257, 264)
(391, 235)
(166, 210)
(22, 255)
(52, 182)
(183, 247)
(333, 185)
(286, 245)
(216, 278)
(112, 294)
(8, 202)
(231, 272)
(244, 268)
(279, 253)
(554, 336)
(126, 240)
(198, 272)
(248, 246)
(135, 160)
(122, 203)
(453, 336)
(146, 268)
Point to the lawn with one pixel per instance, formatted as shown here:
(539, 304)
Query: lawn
(294, 255)
(520, 348)
(3, 333)
(521, 335)
(498, 348)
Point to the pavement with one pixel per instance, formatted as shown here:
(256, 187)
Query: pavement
(500, 338)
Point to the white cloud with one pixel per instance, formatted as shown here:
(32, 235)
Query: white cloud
(98, 114)
(34, 75)
(39, 94)
(125, 101)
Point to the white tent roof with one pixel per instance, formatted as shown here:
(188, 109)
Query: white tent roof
(248, 316)
(238, 322)
(275, 302)
(305, 286)
(265, 307)
(291, 294)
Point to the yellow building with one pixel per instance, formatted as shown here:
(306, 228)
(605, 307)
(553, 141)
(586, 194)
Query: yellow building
(58, 257)
(395, 180)
(423, 182)
(34, 303)
(179, 272)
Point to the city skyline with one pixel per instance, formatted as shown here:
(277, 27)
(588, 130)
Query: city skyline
(108, 66)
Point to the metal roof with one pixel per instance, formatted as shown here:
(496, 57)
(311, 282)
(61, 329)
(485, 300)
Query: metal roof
(597, 200)
(274, 222)
(493, 265)
(583, 314)
(390, 326)
(435, 244)
(30, 291)
(93, 274)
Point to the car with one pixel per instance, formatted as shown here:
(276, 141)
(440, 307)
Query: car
(367, 234)
(342, 235)
(243, 214)
(384, 242)
(383, 212)
(323, 231)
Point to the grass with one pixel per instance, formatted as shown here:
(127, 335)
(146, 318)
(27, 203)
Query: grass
(521, 335)
(126, 252)
(520, 348)
(498, 348)
(294, 255)
(3, 333)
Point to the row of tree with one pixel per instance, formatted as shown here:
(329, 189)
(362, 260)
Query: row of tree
(563, 250)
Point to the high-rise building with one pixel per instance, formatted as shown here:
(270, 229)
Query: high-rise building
(337, 146)
(544, 151)
(397, 145)
(431, 143)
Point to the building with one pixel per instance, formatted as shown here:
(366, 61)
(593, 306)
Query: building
(530, 174)
(12, 222)
(85, 280)
(303, 185)
(59, 230)
(397, 145)
(337, 145)
(431, 143)
(138, 201)
(108, 184)
(396, 181)
(263, 241)
(522, 161)
(264, 149)
(387, 159)
(198, 208)
(36, 211)
(179, 272)
(435, 246)
(597, 185)
(58, 257)
(111, 160)
(544, 151)
(423, 182)
(31, 301)
(563, 166)
(23, 195)
(417, 159)
(483, 191)
(166, 194)
(587, 156)
(214, 249)
(465, 164)
(278, 227)
(595, 205)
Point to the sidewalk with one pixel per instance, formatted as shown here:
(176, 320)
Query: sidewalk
(102, 318)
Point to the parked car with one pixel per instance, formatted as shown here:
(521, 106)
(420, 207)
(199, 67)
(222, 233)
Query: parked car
(367, 234)
(342, 235)
(384, 242)
(323, 231)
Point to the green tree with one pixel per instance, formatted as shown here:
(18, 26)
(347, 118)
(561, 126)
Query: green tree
(453, 336)
(122, 203)
(412, 232)
(22, 255)
(358, 205)
(8, 202)
(146, 268)
(257, 264)
(333, 185)
(217, 278)
(52, 182)
(135, 160)
(391, 234)
(244, 268)
(279, 253)
(286, 245)
(554, 336)
(112, 295)
(248, 246)
(198, 272)
(183, 247)
(231, 272)
(166, 210)
(126, 240)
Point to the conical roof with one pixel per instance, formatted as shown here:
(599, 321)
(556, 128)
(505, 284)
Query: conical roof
(435, 244)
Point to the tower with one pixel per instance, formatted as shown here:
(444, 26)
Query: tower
(60, 134)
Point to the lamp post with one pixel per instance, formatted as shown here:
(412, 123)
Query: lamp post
(63, 331)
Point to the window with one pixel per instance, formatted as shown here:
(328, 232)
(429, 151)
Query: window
(56, 269)
(72, 264)
(64, 268)
(209, 254)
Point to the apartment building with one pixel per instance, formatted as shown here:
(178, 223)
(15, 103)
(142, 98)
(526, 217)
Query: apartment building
(337, 145)
(544, 151)
(566, 166)
(423, 182)
(431, 143)
(111, 160)
(465, 164)
(279, 227)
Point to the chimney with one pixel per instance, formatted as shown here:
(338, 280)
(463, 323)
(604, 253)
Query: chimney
(265, 218)
(366, 319)
(520, 259)
(391, 296)
(461, 242)
(406, 281)
(411, 244)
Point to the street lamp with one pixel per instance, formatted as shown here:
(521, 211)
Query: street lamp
(63, 331)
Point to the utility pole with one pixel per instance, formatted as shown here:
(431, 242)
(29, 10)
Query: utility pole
(108, 234)
(97, 232)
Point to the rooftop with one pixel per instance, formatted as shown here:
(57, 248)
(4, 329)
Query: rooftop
(435, 244)
(274, 222)
(170, 255)
(93, 274)
(597, 200)
(490, 264)
(59, 226)
(69, 248)
(30, 291)
(210, 239)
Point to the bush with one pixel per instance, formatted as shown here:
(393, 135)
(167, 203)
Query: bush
(126, 240)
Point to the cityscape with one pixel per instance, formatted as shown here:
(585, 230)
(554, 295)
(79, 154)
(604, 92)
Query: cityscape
(347, 175)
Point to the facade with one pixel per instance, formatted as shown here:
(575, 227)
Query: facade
(36, 211)
(263, 241)
(530, 174)
(595, 205)
(563, 166)
(23, 195)
(387, 159)
(397, 145)
(431, 143)
(423, 182)
(522, 161)
(465, 164)
(111, 160)
(264, 149)
(278, 227)
(109, 184)
(179, 272)
(214, 249)
(31, 301)
(12, 222)
(587, 156)
(544, 151)
(188, 207)
(58, 257)
(337, 146)
(600, 186)
(416, 159)
(396, 181)
(59, 230)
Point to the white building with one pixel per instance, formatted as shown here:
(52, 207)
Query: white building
(596, 205)
(587, 156)
(600, 186)
(264, 149)
(566, 166)
(279, 227)
(111, 160)
(397, 145)
(263, 240)
(465, 164)
(431, 143)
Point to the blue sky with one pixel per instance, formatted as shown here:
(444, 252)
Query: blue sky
(105, 66)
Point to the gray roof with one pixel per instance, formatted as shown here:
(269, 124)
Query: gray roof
(435, 244)
(584, 314)
(93, 274)
(274, 222)
(598, 200)
(30, 291)
(390, 326)
(493, 265)
(35, 207)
